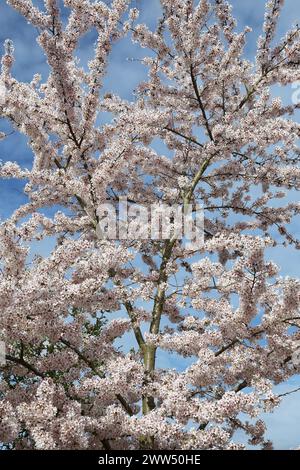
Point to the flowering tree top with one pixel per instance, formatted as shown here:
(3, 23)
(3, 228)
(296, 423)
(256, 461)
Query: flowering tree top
(229, 147)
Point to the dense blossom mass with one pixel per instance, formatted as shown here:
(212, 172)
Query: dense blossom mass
(88, 328)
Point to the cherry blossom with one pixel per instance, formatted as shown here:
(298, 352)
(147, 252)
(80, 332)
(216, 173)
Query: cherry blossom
(86, 325)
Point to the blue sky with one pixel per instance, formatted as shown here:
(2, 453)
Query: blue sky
(122, 78)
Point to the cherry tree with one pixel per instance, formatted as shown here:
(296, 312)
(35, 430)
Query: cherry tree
(87, 328)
